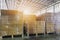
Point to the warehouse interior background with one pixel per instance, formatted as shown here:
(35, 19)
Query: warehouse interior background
(30, 19)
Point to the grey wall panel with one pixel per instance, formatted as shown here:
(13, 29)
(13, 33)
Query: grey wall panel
(57, 24)
(3, 4)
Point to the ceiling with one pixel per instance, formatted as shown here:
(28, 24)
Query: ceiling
(34, 5)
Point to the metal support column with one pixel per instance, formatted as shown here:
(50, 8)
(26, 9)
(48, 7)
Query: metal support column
(36, 29)
(54, 17)
(6, 4)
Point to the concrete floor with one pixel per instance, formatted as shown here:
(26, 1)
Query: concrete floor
(50, 37)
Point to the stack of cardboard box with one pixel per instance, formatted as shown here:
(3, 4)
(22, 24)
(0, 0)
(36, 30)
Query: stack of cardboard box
(12, 22)
(48, 19)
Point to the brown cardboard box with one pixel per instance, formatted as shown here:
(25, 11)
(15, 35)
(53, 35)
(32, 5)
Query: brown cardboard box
(50, 27)
(40, 26)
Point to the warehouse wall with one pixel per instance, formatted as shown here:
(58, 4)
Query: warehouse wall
(3, 4)
(57, 22)
(9, 4)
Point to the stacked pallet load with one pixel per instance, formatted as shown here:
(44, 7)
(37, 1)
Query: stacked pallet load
(40, 27)
(30, 20)
(11, 22)
(40, 22)
(49, 24)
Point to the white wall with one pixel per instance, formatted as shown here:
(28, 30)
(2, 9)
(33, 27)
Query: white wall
(3, 4)
(0, 4)
(57, 20)
(12, 4)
